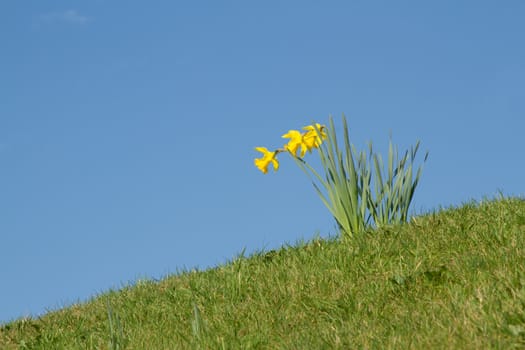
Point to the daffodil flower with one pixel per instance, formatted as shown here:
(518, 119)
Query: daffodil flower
(267, 158)
(314, 135)
(307, 140)
(296, 140)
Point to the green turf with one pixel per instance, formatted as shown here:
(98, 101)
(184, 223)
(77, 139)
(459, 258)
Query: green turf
(454, 279)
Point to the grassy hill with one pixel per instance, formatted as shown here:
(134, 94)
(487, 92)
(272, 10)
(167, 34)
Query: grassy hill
(454, 279)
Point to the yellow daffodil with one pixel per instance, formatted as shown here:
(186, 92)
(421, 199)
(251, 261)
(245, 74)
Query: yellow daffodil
(296, 140)
(307, 140)
(314, 135)
(267, 158)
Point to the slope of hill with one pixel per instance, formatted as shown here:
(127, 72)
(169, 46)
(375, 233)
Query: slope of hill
(453, 279)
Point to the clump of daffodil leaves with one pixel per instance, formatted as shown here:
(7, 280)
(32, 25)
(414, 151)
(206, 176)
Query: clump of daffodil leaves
(349, 177)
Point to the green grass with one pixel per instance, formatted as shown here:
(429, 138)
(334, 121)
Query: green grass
(454, 279)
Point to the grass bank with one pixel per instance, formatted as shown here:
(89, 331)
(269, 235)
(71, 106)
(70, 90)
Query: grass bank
(454, 279)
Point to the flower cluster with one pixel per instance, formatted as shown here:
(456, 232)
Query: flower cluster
(311, 138)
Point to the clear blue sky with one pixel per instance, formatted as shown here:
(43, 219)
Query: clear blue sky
(127, 129)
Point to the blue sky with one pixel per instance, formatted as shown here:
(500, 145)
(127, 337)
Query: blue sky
(127, 130)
